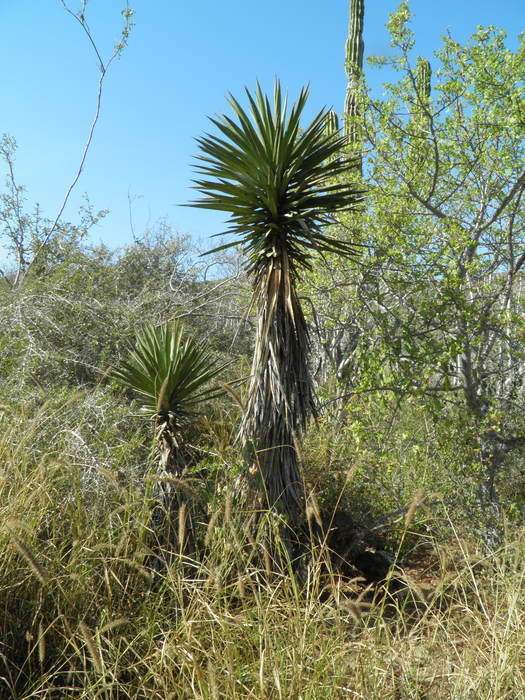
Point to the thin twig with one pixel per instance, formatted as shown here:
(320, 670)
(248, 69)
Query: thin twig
(104, 67)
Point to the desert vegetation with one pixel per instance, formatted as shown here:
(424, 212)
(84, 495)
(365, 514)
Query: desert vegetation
(301, 476)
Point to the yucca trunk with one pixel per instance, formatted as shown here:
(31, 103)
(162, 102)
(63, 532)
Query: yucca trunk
(281, 396)
(171, 518)
(171, 463)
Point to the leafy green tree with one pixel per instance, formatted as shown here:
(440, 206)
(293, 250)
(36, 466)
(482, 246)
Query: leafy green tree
(438, 303)
(280, 186)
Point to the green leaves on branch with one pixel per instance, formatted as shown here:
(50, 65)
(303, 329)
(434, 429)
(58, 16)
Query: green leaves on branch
(169, 374)
(397, 25)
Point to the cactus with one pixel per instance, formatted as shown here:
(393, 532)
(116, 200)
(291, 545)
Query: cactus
(331, 128)
(422, 85)
(331, 123)
(423, 73)
(354, 70)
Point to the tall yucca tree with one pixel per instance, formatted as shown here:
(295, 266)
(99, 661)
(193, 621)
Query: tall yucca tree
(281, 185)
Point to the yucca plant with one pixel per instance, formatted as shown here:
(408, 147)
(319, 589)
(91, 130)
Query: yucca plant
(170, 375)
(281, 185)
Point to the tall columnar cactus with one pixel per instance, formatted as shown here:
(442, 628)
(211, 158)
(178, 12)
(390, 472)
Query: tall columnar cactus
(332, 128)
(331, 123)
(422, 77)
(354, 70)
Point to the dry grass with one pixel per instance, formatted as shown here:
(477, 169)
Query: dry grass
(80, 618)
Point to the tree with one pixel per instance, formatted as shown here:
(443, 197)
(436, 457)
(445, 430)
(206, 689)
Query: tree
(439, 301)
(280, 186)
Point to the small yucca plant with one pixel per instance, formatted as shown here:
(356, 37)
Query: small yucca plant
(170, 375)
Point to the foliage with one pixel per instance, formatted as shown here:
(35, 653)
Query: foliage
(450, 243)
(380, 454)
(275, 181)
(23, 232)
(79, 317)
(80, 618)
(169, 374)
(435, 308)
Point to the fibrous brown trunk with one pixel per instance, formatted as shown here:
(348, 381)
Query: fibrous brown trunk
(171, 517)
(281, 396)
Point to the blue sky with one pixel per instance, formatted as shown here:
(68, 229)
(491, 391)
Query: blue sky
(182, 60)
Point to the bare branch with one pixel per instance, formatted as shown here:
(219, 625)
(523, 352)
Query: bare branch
(104, 67)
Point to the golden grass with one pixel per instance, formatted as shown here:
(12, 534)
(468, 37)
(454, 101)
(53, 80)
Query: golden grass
(80, 619)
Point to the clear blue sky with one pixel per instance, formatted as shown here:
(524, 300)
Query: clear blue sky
(182, 59)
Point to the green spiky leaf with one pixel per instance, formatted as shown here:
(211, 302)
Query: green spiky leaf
(169, 374)
(281, 185)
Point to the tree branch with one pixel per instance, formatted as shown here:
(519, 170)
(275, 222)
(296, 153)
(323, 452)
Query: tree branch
(80, 18)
